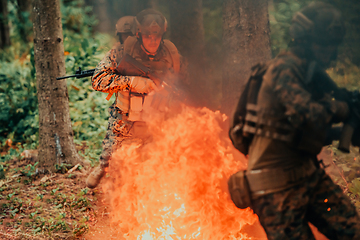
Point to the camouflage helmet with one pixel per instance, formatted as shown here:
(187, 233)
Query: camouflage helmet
(125, 25)
(150, 21)
(318, 22)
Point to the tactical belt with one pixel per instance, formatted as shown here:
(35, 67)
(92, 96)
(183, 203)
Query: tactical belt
(264, 181)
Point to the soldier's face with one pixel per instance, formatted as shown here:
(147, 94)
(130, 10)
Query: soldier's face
(151, 42)
(324, 54)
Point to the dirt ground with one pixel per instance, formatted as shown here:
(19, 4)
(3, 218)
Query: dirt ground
(59, 206)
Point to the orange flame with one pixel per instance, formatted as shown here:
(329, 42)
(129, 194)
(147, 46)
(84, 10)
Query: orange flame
(175, 186)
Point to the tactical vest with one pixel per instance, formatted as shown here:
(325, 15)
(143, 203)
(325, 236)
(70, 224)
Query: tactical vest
(264, 115)
(166, 64)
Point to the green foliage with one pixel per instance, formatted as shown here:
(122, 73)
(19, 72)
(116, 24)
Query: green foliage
(21, 30)
(88, 108)
(30, 170)
(77, 18)
(345, 74)
(18, 101)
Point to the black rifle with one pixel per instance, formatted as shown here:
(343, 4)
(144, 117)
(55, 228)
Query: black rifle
(79, 74)
(129, 66)
(353, 123)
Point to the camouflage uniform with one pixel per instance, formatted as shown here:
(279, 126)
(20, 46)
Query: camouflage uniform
(106, 80)
(290, 109)
(285, 212)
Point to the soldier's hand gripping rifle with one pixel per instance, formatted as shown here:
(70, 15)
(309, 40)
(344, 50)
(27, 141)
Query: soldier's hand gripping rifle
(353, 123)
(79, 74)
(129, 66)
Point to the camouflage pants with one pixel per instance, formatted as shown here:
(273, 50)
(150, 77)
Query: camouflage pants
(118, 130)
(285, 214)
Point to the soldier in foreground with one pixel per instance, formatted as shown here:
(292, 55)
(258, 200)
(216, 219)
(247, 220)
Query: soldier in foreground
(149, 48)
(290, 105)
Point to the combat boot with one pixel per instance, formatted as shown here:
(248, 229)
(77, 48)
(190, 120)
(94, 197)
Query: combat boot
(95, 176)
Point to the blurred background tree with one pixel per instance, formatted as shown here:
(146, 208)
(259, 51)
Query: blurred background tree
(4, 25)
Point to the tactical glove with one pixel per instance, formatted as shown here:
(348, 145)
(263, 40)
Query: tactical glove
(141, 84)
(339, 110)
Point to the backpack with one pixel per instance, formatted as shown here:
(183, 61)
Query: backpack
(240, 139)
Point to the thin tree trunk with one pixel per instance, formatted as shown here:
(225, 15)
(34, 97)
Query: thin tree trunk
(24, 6)
(187, 33)
(56, 145)
(4, 25)
(246, 41)
(153, 4)
(101, 11)
(109, 11)
(139, 5)
(120, 8)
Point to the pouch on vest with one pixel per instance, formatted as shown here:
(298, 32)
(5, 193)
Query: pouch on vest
(136, 107)
(239, 138)
(239, 190)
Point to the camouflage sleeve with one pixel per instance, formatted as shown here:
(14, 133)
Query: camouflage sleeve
(106, 79)
(300, 108)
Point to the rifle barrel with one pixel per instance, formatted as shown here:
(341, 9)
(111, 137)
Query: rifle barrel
(81, 74)
(60, 78)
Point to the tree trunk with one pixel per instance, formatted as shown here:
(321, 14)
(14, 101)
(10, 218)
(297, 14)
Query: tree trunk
(4, 26)
(187, 33)
(246, 41)
(140, 5)
(56, 145)
(100, 8)
(153, 4)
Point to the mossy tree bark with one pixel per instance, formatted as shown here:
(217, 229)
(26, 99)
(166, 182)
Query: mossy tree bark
(56, 145)
(246, 41)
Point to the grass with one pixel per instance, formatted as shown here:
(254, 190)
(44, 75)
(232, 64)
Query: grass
(58, 206)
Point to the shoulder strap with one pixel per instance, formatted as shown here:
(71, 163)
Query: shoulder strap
(175, 56)
(129, 45)
(310, 72)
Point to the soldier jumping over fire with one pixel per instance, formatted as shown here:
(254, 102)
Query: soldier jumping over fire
(150, 49)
